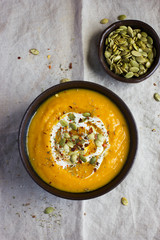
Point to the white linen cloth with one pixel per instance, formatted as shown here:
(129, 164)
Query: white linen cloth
(69, 31)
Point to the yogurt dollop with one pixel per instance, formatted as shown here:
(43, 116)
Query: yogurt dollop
(79, 138)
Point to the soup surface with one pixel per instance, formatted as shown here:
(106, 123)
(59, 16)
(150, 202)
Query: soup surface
(78, 140)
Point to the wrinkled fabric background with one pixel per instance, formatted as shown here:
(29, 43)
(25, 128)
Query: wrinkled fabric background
(69, 31)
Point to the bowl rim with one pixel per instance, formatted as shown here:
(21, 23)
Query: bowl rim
(132, 23)
(74, 85)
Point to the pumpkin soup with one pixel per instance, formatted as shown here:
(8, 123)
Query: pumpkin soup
(78, 140)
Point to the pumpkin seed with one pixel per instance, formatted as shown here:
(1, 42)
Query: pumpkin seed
(62, 142)
(70, 144)
(134, 63)
(75, 137)
(66, 135)
(134, 69)
(86, 114)
(129, 75)
(135, 53)
(71, 116)
(73, 126)
(83, 158)
(91, 136)
(66, 148)
(100, 137)
(73, 157)
(124, 201)
(157, 97)
(63, 123)
(48, 210)
(93, 160)
(121, 17)
(64, 80)
(34, 51)
(104, 21)
(130, 31)
(98, 143)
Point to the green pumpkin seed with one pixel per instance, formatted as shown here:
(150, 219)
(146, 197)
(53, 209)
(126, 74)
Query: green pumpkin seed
(140, 59)
(129, 75)
(107, 54)
(134, 69)
(130, 31)
(148, 64)
(75, 137)
(34, 51)
(62, 142)
(91, 136)
(121, 17)
(157, 97)
(64, 80)
(104, 21)
(48, 210)
(93, 160)
(98, 143)
(84, 159)
(71, 116)
(86, 114)
(66, 148)
(150, 40)
(100, 137)
(124, 201)
(73, 126)
(144, 34)
(63, 123)
(66, 135)
(134, 63)
(70, 144)
(73, 158)
(136, 53)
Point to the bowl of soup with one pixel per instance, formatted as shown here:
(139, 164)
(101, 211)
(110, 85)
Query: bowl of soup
(78, 140)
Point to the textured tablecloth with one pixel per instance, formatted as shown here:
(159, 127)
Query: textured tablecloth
(69, 31)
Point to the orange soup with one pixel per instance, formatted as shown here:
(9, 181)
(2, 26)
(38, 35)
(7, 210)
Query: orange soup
(78, 140)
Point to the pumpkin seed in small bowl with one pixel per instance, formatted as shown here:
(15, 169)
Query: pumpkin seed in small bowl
(129, 51)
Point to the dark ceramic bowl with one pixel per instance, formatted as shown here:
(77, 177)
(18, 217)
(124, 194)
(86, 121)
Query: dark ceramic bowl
(134, 24)
(52, 91)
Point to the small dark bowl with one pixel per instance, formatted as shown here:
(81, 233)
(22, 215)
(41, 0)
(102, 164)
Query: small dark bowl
(52, 91)
(134, 24)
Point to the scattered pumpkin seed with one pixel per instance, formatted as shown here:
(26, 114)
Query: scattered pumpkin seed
(73, 126)
(48, 210)
(64, 80)
(93, 160)
(124, 201)
(83, 158)
(104, 21)
(157, 97)
(71, 116)
(86, 114)
(34, 51)
(121, 17)
(63, 123)
(126, 49)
